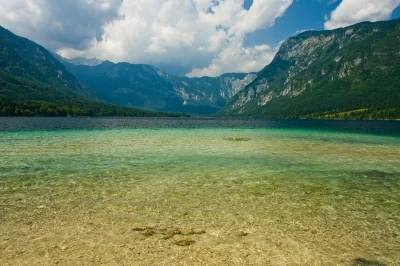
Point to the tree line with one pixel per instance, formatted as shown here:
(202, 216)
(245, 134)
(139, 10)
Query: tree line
(41, 108)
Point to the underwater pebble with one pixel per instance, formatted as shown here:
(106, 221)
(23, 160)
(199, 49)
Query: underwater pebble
(168, 232)
(148, 232)
(236, 139)
(187, 232)
(171, 231)
(240, 233)
(186, 241)
(141, 228)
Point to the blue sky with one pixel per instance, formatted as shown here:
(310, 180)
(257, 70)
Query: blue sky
(182, 37)
(396, 13)
(301, 15)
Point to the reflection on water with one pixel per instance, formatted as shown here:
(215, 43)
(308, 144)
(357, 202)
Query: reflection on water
(284, 196)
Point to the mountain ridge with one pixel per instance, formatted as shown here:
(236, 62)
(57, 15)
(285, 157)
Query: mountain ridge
(349, 72)
(147, 87)
(78, 60)
(33, 82)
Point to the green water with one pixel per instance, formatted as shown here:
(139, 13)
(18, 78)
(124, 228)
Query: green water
(302, 196)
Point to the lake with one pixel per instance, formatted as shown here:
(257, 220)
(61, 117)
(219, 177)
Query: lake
(199, 191)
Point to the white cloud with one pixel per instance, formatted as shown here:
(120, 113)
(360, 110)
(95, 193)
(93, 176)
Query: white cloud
(297, 32)
(205, 37)
(353, 11)
(236, 58)
(56, 24)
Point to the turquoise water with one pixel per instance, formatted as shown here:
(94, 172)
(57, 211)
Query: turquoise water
(300, 196)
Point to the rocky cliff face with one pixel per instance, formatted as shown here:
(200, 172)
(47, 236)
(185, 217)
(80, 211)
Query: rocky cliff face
(326, 73)
(208, 91)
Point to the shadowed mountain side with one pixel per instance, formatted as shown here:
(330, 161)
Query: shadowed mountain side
(144, 86)
(34, 83)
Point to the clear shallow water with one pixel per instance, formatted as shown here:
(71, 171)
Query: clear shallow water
(304, 192)
(59, 123)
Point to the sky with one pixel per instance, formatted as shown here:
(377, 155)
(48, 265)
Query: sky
(182, 37)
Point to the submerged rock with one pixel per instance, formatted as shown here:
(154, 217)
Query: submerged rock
(186, 241)
(236, 139)
(240, 234)
(148, 232)
(142, 228)
(170, 232)
(187, 232)
(167, 232)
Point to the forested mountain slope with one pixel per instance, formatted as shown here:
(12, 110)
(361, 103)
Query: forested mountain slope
(351, 72)
(33, 82)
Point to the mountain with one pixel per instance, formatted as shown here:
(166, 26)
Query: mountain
(85, 61)
(24, 58)
(78, 60)
(33, 82)
(209, 93)
(144, 86)
(351, 72)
